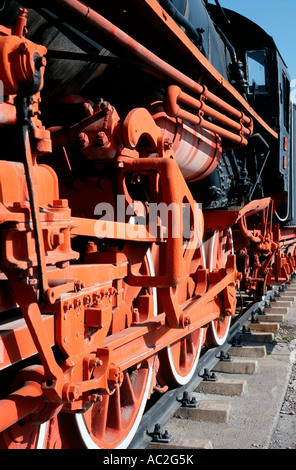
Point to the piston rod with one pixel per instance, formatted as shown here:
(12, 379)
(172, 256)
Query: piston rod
(21, 403)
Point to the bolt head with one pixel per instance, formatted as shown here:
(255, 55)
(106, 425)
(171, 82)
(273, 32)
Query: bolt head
(115, 377)
(73, 393)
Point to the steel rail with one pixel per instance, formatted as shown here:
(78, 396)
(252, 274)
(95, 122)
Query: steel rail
(169, 402)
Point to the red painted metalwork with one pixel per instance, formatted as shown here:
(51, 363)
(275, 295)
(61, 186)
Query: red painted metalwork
(148, 290)
(18, 405)
(175, 94)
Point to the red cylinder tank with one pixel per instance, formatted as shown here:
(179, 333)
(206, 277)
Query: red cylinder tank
(197, 150)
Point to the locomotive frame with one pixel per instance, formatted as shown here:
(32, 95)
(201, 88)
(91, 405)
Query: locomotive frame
(101, 305)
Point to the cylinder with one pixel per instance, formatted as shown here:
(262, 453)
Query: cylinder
(197, 150)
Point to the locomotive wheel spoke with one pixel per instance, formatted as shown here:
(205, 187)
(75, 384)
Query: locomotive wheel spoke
(127, 393)
(183, 353)
(102, 422)
(114, 417)
(112, 422)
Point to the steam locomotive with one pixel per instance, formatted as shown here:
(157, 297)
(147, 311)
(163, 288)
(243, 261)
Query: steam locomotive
(147, 173)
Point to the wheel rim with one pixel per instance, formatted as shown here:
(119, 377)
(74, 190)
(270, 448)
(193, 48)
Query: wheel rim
(216, 259)
(220, 329)
(183, 356)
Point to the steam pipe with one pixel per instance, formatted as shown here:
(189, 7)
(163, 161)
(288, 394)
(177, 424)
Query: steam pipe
(192, 33)
(103, 25)
(222, 12)
(247, 233)
(175, 94)
(172, 108)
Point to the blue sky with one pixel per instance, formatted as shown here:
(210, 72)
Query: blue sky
(277, 18)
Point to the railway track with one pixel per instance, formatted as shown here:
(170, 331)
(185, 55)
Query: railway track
(166, 405)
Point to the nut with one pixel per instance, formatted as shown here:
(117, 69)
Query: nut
(73, 393)
(94, 362)
(83, 140)
(102, 139)
(115, 377)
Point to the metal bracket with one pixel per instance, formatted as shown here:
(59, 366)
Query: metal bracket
(236, 342)
(209, 377)
(246, 331)
(187, 402)
(225, 357)
(159, 436)
(254, 319)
